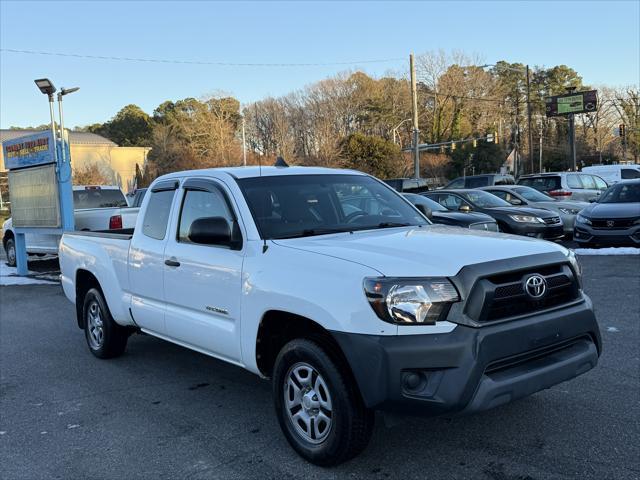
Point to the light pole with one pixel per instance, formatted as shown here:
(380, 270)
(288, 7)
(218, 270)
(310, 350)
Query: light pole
(62, 93)
(244, 145)
(46, 87)
(529, 132)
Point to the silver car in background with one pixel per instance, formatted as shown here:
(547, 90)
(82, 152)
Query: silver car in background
(526, 196)
(566, 185)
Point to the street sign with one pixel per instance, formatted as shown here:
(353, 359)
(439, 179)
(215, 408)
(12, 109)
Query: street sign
(578, 102)
(29, 151)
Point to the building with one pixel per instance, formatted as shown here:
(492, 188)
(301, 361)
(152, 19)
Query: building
(118, 164)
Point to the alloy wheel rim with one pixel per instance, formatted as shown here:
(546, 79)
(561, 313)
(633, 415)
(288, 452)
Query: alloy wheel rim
(307, 402)
(95, 325)
(11, 254)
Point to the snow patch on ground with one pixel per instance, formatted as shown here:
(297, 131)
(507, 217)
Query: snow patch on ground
(608, 251)
(9, 276)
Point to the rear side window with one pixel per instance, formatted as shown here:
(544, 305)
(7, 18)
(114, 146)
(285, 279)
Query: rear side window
(600, 183)
(544, 184)
(457, 183)
(504, 180)
(588, 181)
(98, 198)
(573, 181)
(156, 216)
(477, 182)
(200, 204)
(629, 173)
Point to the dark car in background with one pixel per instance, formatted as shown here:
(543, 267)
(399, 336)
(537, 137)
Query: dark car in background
(566, 185)
(531, 222)
(485, 180)
(408, 185)
(439, 214)
(519, 195)
(613, 220)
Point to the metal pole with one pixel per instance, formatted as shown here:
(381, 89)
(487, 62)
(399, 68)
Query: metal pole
(62, 150)
(572, 142)
(516, 157)
(416, 132)
(540, 159)
(244, 145)
(530, 132)
(53, 129)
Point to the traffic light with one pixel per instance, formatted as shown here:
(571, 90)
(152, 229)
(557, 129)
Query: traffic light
(495, 137)
(622, 131)
(453, 146)
(475, 143)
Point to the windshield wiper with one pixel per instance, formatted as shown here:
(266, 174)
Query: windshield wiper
(393, 224)
(309, 232)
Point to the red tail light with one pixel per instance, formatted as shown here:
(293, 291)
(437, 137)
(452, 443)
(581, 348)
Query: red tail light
(115, 222)
(559, 193)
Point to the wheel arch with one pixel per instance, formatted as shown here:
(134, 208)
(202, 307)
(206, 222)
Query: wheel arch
(278, 327)
(84, 281)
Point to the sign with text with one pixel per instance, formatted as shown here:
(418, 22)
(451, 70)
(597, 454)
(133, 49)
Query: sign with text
(29, 151)
(578, 102)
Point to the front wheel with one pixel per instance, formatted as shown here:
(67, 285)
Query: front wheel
(318, 405)
(106, 339)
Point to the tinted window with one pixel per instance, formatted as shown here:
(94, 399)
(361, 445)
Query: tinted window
(475, 182)
(544, 183)
(98, 198)
(138, 197)
(457, 183)
(573, 181)
(198, 204)
(588, 182)
(622, 193)
(156, 216)
(484, 199)
(532, 194)
(629, 173)
(302, 205)
(600, 183)
(500, 194)
(451, 202)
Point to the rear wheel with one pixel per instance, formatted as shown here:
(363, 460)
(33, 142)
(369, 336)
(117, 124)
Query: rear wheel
(10, 250)
(318, 405)
(106, 339)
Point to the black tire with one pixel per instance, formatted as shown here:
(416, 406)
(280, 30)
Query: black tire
(351, 422)
(108, 339)
(10, 246)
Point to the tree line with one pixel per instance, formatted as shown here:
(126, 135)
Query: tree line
(354, 120)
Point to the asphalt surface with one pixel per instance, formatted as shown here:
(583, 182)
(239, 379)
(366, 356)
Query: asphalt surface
(161, 411)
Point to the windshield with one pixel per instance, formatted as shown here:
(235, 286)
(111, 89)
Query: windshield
(532, 194)
(98, 198)
(290, 206)
(484, 199)
(621, 193)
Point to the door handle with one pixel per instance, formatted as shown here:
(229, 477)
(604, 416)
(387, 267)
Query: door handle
(172, 262)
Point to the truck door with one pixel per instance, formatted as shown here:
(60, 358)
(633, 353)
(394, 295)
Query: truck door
(146, 259)
(202, 282)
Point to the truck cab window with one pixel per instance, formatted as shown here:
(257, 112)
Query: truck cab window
(156, 217)
(201, 204)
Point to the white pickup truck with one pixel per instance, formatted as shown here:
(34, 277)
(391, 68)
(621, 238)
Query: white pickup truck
(338, 289)
(95, 208)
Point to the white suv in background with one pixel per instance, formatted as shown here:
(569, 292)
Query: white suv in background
(566, 185)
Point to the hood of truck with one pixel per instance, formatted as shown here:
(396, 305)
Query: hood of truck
(435, 250)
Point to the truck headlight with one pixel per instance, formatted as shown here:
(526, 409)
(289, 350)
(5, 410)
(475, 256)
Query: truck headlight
(526, 219)
(582, 219)
(573, 260)
(422, 301)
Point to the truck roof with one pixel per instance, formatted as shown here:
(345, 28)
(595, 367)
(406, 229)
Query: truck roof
(253, 171)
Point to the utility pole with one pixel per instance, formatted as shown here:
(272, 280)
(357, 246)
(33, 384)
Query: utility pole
(530, 132)
(416, 132)
(244, 145)
(540, 153)
(572, 136)
(516, 157)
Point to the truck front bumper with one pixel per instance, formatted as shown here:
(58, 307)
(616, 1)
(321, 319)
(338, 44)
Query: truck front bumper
(473, 369)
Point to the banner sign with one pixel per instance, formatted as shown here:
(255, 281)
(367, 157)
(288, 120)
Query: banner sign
(579, 102)
(29, 151)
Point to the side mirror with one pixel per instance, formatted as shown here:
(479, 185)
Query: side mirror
(593, 200)
(464, 208)
(426, 211)
(212, 231)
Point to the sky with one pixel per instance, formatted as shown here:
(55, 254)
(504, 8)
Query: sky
(600, 40)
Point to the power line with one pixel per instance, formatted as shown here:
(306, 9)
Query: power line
(194, 62)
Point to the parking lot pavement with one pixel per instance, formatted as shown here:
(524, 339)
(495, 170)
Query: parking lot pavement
(161, 411)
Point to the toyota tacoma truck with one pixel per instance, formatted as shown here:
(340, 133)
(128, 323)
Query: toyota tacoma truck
(335, 287)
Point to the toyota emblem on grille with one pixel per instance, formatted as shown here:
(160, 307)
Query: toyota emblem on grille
(610, 223)
(535, 286)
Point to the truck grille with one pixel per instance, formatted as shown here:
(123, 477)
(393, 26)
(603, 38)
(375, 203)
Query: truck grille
(612, 224)
(505, 296)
